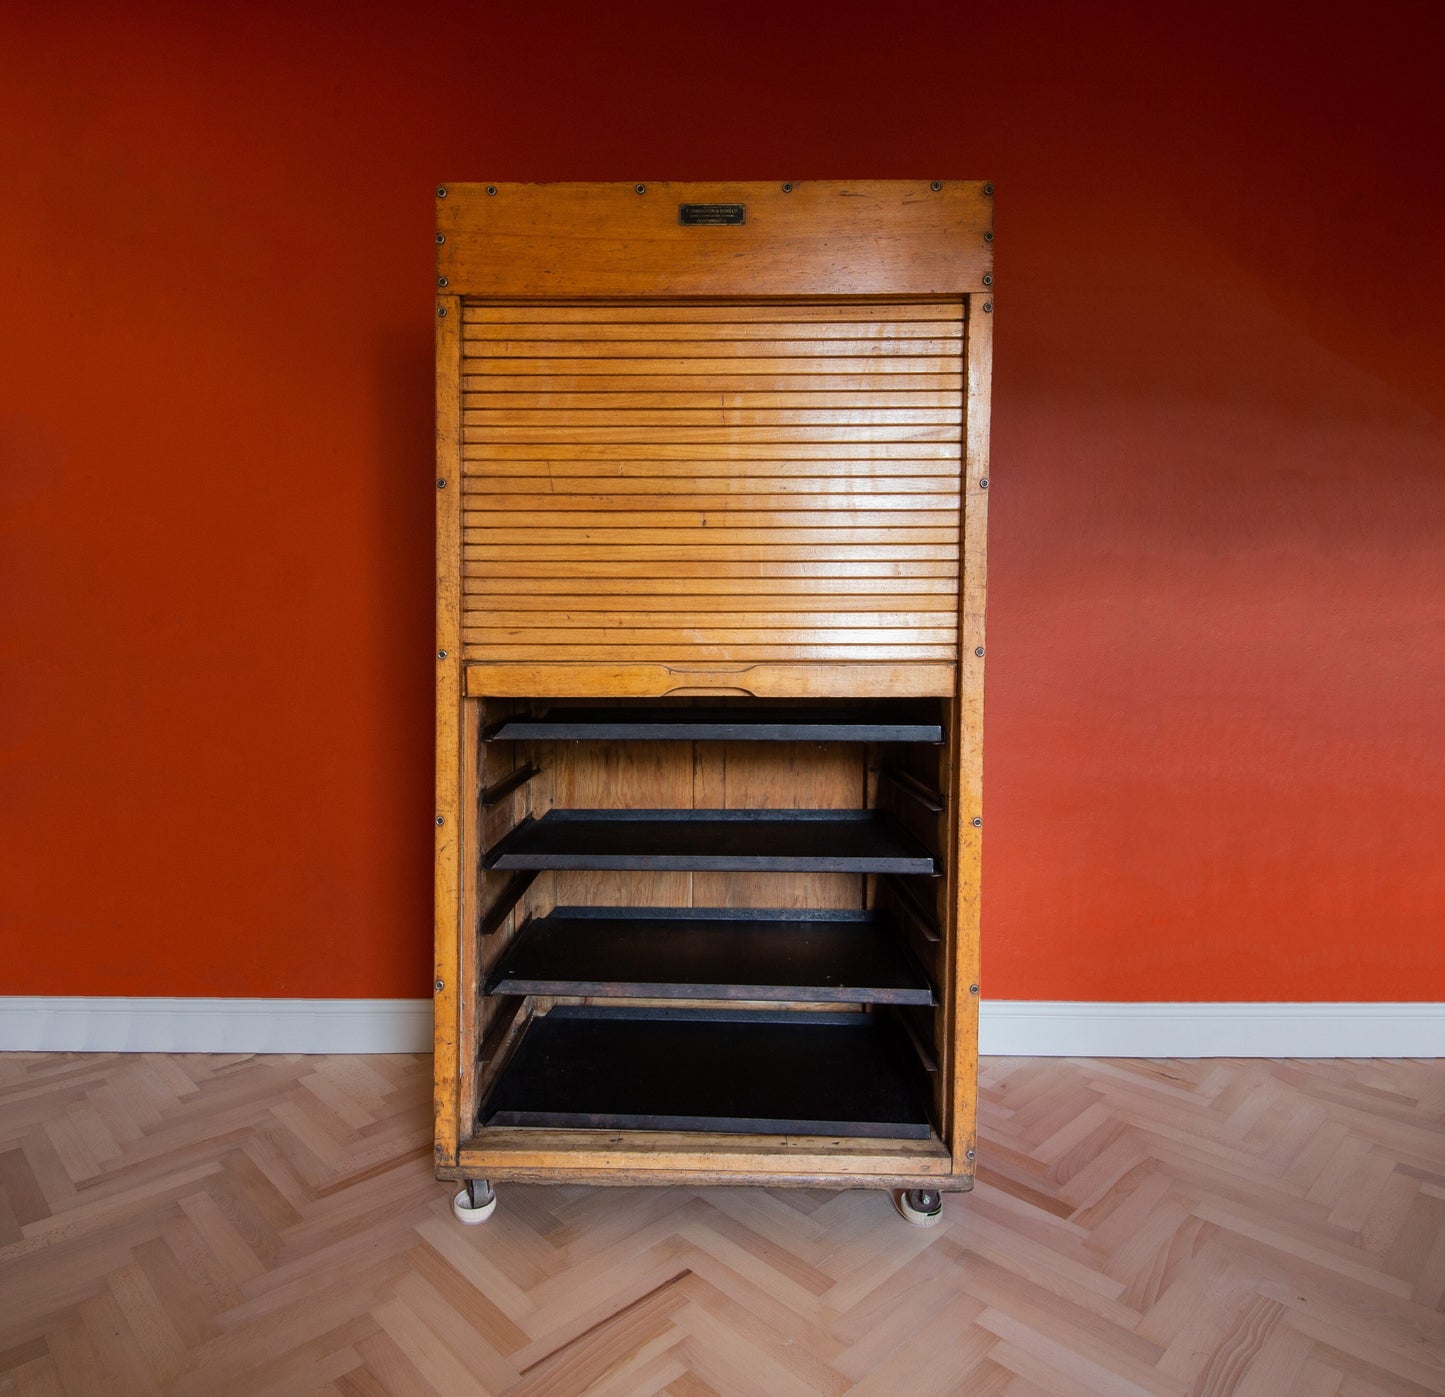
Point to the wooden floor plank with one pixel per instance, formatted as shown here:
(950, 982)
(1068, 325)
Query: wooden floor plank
(196, 1226)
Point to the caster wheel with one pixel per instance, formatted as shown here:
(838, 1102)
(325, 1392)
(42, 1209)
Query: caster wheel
(475, 1203)
(923, 1207)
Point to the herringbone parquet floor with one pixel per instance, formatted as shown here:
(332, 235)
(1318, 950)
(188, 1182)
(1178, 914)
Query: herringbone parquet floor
(205, 1226)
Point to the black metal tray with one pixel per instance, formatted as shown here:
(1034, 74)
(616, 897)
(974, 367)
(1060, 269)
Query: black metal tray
(756, 841)
(871, 723)
(834, 956)
(677, 1069)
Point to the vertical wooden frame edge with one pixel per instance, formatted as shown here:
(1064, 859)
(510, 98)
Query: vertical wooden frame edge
(968, 727)
(450, 783)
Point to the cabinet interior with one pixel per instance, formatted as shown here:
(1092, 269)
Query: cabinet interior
(784, 902)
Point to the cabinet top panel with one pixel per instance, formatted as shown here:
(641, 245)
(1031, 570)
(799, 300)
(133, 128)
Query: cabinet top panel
(809, 238)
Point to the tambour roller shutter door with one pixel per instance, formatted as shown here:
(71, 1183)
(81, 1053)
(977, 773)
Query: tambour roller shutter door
(653, 481)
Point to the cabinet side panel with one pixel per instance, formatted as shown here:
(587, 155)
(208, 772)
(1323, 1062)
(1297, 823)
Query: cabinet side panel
(968, 735)
(451, 782)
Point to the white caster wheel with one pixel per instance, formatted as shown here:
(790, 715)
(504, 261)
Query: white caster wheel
(475, 1203)
(923, 1207)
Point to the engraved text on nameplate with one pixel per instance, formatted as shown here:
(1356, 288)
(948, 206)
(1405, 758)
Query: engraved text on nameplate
(711, 213)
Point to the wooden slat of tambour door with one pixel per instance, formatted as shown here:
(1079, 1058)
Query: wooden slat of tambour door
(728, 572)
(758, 362)
(721, 439)
(793, 546)
(642, 312)
(693, 482)
(761, 595)
(799, 545)
(481, 544)
(703, 487)
(690, 399)
(818, 477)
(725, 652)
(718, 592)
(715, 551)
(730, 567)
(758, 523)
(837, 454)
(503, 420)
(902, 356)
(638, 313)
(490, 338)
(684, 618)
(766, 596)
(746, 493)
(707, 628)
(480, 379)
(674, 503)
(693, 577)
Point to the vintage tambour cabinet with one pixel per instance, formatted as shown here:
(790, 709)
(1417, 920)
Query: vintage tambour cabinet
(711, 496)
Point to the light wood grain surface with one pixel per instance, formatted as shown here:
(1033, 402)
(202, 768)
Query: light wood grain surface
(532, 403)
(811, 238)
(455, 812)
(242, 1226)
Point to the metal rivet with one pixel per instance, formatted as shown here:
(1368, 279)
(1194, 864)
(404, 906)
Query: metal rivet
(968, 1154)
(978, 650)
(441, 484)
(983, 482)
(973, 989)
(441, 819)
(441, 984)
(441, 654)
(441, 238)
(988, 278)
(936, 186)
(988, 237)
(988, 189)
(787, 189)
(988, 307)
(441, 191)
(441, 312)
(441, 281)
(491, 189)
(640, 188)
(975, 822)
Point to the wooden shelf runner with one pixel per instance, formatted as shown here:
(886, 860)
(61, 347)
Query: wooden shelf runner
(754, 841)
(712, 953)
(661, 1069)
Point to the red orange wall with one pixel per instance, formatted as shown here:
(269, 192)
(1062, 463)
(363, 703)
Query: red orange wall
(1214, 756)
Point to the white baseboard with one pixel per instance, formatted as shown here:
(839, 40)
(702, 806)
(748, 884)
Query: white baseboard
(41, 1023)
(1062, 1028)
(1007, 1028)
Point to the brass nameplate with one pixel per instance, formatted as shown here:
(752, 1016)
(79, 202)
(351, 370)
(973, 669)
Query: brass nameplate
(711, 213)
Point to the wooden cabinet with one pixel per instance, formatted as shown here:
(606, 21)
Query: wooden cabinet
(711, 489)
